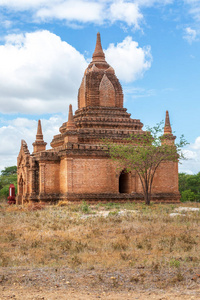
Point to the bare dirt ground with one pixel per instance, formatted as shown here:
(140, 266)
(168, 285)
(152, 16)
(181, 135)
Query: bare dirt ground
(65, 283)
(63, 294)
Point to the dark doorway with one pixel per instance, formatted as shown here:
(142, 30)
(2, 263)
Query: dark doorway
(124, 182)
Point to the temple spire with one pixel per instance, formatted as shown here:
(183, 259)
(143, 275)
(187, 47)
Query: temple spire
(70, 124)
(98, 54)
(167, 128)
(39, 135)
(39, 144)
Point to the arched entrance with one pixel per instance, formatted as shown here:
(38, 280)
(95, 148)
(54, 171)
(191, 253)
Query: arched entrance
(124, 185)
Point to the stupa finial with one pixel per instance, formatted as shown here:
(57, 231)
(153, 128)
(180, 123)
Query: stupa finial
(39, 144)
(98, 54)
(70, 124)
(167, 128)
(39, 135)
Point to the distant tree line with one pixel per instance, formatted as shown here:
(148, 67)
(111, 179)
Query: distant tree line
(189, 187)
(8, 176)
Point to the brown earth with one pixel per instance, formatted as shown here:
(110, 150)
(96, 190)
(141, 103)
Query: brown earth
(66, 283)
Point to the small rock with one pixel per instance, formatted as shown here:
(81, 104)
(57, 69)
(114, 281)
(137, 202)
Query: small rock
(175, 214)
(187, 209)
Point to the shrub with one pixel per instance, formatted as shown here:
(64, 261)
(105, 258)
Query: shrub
(174, 263)
(85, 208)
(188, 195)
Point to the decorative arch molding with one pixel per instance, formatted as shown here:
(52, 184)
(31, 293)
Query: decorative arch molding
(106, 92)
(21, 184)
(21, 179)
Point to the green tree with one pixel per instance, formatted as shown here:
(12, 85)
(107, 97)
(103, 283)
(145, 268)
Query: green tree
(188, 195)
(189, 186)
(143, 153)
(9, 171)
(8, 176)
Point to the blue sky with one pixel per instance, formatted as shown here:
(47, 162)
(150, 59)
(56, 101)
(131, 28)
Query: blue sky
(45, 46)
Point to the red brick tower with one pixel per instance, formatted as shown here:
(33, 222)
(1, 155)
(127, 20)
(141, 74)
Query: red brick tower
(100, 86)
(100, 111)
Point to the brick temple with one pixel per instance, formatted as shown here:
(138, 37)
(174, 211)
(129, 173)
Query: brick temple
(76, 167)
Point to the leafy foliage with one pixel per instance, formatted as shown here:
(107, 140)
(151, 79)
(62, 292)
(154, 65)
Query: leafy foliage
(144, 152)
(9, 171)
(189, 186)
(85, 207)
(8, 176)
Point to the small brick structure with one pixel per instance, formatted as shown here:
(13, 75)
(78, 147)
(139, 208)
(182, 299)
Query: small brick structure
(76, 167)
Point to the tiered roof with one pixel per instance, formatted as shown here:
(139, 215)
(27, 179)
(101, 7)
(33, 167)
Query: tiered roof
(100, 111)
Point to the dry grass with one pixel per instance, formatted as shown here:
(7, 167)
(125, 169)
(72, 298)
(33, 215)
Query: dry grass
(76, 236)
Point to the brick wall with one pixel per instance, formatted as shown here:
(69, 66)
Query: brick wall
(166, 178)
(94, 175)
(63, 176)
(51, 178)
(85, 175)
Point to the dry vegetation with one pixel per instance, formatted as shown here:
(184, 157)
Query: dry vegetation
(141, 247)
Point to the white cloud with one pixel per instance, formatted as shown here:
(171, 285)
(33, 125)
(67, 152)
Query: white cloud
(192, 163)
(190, 35)
(196, 144)
(194, 8)
(189, 166)
(93, 11)
(42, 74)
(97, 12)
(6, 23)
(127, 12)
(83, 11)
(189, 154)
(138, 92)
(25, 4)
(39, 73)
(129, 61)
(150, 3)
(79, 10)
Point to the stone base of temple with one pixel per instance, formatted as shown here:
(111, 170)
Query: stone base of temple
(103, 198)
(22, 199)
(122, 197)
(42, 197)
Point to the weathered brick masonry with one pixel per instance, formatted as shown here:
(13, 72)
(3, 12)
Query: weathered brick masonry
(76, 168)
